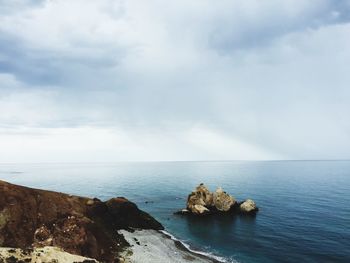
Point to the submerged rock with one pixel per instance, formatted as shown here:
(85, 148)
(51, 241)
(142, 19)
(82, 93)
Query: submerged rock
(202, 202)
(183, 212)
(31, 218)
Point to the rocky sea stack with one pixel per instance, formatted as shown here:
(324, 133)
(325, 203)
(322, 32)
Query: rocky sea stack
(203, 202)
(32, 219)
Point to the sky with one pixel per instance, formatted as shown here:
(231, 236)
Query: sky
(127, 80)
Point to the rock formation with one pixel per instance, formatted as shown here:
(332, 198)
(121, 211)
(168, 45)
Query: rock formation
(222, 200)
(199, 200)
(31, 218)
(248, 206)
(202, 202)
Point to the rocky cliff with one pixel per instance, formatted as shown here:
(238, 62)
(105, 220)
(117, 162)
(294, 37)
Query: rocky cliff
(32, 218)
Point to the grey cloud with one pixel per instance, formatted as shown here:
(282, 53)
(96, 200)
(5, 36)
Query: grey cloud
(256, 33)
(285, 90)
(13, 6)
(31, 68)
(40, 67)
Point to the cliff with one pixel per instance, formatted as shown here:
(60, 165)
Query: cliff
(32, 218)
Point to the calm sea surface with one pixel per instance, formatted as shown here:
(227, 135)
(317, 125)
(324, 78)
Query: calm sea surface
(304, 205)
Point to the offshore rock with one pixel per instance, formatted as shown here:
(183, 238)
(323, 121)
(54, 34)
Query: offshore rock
(205, 195)
(32, 218)
(223, 201)
(202, 202)
(200, 210)
(248, 206)
(199, 200)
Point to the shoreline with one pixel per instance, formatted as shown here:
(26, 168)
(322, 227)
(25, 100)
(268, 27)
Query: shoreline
(187, 248)
(69, 228)
(63, 226)
(34, 218)
(152, 246)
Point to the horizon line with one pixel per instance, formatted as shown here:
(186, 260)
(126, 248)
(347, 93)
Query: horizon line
(179, 161)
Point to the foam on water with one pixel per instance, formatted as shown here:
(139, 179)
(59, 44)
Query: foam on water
(198, 252)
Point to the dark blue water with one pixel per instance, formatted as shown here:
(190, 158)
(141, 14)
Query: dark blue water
(304, 205)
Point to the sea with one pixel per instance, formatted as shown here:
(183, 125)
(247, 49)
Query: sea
(304, 205)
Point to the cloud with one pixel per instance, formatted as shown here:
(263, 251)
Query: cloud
(10, 7)
(101, 144)
(261, 80)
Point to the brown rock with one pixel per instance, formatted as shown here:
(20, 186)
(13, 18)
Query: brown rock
(222, 200)
(205, 195)
(248, 206)
(200, 210)
(126, 214)
(90, 202)
(37, 218)
(202, 202)
(199, 200)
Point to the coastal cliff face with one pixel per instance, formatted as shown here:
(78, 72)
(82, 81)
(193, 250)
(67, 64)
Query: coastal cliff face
(31, 218)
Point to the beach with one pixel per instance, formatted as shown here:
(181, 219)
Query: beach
(146, 246)
(152, 246)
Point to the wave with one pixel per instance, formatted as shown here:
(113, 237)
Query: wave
(187, 247)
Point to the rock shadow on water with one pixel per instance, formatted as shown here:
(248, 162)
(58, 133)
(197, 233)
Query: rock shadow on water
(217, 216)
(226, 231)
(210, 226)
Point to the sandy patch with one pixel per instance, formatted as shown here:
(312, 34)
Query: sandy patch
(150, 246)
(41, 255)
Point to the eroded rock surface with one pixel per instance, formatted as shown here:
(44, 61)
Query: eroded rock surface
(78, 225)
(222, 200)
(202, 202)
(199, 200)
(248, 206)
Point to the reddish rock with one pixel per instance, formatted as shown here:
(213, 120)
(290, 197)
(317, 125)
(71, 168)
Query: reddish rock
(37, 218)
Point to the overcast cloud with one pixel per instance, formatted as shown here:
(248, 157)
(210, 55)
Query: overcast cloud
(108, 80)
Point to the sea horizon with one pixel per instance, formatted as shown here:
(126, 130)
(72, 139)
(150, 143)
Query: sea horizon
(301, 202)
(174, 161)
(226, 123)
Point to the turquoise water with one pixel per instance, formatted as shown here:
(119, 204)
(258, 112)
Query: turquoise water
(304, 205)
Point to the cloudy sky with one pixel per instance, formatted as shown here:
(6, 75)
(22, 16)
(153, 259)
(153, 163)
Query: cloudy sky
(115, 80)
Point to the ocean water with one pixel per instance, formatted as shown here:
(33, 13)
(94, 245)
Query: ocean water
(304, 205)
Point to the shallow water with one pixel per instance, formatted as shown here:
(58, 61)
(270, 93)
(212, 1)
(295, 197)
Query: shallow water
(304, 205)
